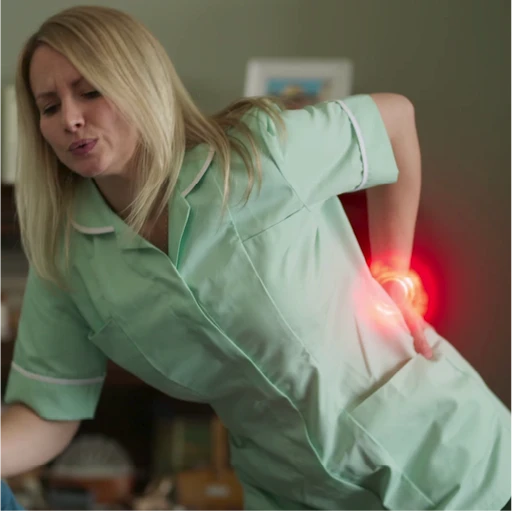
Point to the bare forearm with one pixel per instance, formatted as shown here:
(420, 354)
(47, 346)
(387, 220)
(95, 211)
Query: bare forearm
(29, 441)
(393, 208)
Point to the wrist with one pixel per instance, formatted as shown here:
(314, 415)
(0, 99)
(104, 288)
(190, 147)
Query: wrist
(404, 286)
(392, 278)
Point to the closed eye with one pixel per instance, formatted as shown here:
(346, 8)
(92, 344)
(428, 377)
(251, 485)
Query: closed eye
(92, 94)
(49, 110)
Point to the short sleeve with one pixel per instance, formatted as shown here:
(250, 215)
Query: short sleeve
(335, 147)
(56, 370)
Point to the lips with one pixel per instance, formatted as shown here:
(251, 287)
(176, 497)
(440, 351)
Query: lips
(81, 143)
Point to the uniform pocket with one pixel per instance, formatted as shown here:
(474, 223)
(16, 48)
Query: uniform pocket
(428, 435)
(112, 340)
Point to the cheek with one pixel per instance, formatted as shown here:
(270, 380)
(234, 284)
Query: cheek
(47, 131)
(122, 133)
(127, 134)
(132, 137)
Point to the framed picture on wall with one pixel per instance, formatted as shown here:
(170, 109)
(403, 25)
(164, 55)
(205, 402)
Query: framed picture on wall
(299, 82)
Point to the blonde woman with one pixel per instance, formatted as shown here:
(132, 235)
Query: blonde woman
(211, 257)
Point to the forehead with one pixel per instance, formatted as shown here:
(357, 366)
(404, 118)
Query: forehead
(49, 69)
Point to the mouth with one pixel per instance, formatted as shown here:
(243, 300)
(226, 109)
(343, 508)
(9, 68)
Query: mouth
(82, 147)
(81, 143)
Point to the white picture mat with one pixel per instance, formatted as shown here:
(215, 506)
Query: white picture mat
(260, 70)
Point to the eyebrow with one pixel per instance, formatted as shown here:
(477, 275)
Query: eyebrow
(47, 94)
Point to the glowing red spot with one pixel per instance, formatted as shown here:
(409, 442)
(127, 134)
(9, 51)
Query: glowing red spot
(409, 284)
(430, 271)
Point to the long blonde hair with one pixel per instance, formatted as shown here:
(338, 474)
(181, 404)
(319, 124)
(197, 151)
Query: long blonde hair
(127, 65)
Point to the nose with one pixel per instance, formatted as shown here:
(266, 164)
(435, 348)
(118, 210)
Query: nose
(72, 116)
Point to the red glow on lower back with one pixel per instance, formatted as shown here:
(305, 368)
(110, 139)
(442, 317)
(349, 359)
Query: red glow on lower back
(409, 283)
(427, 271)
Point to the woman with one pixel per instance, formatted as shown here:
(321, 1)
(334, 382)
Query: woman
(212, 258)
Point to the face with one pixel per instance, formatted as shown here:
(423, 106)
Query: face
(86, 131)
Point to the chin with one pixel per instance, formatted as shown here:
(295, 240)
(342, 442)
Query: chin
(90, 172)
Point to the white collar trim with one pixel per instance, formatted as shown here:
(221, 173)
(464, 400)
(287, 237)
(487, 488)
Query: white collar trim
(109, 228)
(92, 230)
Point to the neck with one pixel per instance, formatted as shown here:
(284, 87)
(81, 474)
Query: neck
(118, 192)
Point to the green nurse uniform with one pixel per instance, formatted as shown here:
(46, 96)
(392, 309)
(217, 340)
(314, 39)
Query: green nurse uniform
(268, 314)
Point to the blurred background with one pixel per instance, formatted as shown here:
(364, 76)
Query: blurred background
(452, 59)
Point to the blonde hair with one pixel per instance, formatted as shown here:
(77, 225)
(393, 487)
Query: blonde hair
(127, 65)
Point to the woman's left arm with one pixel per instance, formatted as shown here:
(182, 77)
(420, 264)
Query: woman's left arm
(393, 208)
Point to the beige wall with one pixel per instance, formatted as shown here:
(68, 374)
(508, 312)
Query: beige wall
(452, 58)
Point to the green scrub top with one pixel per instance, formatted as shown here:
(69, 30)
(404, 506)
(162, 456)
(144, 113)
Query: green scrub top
(267, 313)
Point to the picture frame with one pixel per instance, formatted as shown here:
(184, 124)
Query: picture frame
(299, 81)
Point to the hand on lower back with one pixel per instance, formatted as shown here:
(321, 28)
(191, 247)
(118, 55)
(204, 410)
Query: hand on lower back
(414, 321)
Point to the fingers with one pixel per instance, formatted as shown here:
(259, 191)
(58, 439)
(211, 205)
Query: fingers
(421, 344)
(416, 326)
(413, 320)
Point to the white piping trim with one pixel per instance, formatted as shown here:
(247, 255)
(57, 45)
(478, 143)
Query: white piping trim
(92, 230)
(360, 139)
(201, 173)
(60, 381)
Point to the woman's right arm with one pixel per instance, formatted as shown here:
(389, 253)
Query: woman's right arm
(28, 441)
(55, 379)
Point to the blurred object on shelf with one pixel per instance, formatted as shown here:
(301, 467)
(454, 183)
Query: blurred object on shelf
(96, 463)
(69, 497)
(180, 441)
(157, 495)
(214, 487)
(28, 489)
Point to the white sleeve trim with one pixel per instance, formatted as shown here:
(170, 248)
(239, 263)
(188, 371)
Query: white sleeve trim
(360, 139)
(58, 381)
